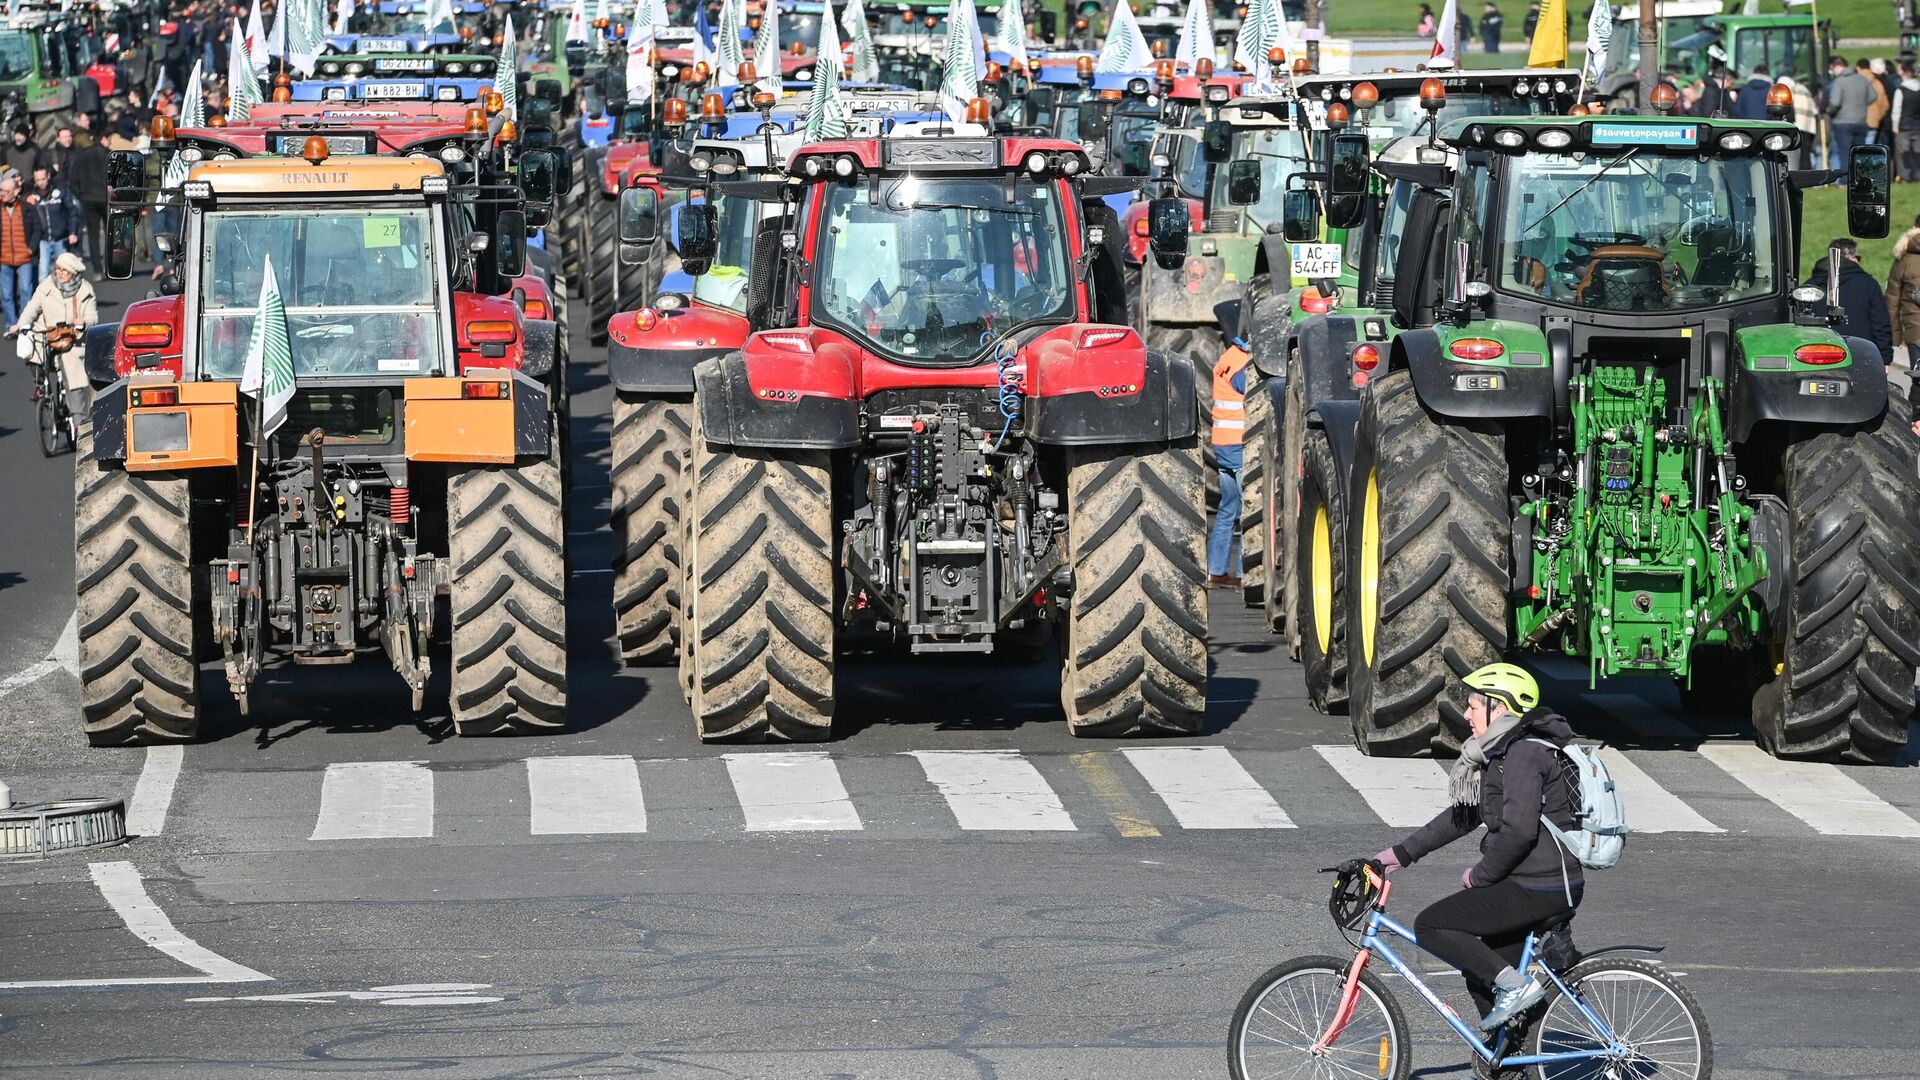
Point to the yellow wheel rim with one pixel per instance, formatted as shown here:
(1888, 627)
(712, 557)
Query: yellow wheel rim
(1322, 579)
(1369, 565)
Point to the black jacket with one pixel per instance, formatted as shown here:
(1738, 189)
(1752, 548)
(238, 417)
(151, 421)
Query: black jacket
(1750, 99)
(1863, 305)
(1523, 780)
(88, 181)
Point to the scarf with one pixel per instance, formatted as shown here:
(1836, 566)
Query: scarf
(1463, 783)
(69, 288)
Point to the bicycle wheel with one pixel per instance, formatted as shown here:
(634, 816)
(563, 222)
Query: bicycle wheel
(1285, 1011)
(1647, 1009)
(50, 435)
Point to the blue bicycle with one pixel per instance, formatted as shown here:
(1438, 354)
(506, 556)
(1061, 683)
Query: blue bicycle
(1605, 1018)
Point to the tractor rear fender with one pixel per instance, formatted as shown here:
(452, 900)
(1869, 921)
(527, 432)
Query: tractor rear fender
(733, 412)
(1443, 384)
(98, 354)
(1274, 252)
(661, 358)
(197, 426)
(447, 422)
(1322, 343)
(1159, 408)
(541, 338)
(1340, 420)
(1755, 396)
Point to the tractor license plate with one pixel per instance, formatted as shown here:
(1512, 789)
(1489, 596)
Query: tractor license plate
(382, 44)
(1824, 387)
(1315, 261)
(394, 90)
(1477, 382)
(403, 63)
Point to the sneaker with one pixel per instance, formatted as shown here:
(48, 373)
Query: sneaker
(1508, 1004)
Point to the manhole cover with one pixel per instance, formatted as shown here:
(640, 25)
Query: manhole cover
(40, 829)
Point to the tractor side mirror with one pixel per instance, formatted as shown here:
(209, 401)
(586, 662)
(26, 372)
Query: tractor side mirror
(1243, 182)
(1096, 121)
(538, 138)
(699, 233)
(537, 114)
(122, 227)
(510, 243)
(1216, 142)
(548, 90)
(126, 176)
(1347, 180)
(1168, 222)
(1300, 214)
(1869, 187)
(639, 223)
(539, 177)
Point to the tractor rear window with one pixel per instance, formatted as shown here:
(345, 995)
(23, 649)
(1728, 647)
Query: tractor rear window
(1279, 152)
(1638, 231)
(358, 286)
(724, 285)
(923, 268)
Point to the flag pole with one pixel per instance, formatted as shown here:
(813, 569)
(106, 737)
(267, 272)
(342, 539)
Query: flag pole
(253, 477)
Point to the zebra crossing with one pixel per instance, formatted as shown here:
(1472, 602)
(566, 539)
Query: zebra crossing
(1124, 792)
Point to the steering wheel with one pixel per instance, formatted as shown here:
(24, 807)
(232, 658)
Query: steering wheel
(1596, 240)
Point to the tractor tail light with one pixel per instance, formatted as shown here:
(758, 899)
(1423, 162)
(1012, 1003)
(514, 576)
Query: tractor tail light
(1820, 354)
(484, 391)
(538, 309)
(1365, 357)
(147, 335)
(491, 331)
(1477, 349)
(156, 395)
(1142, 227)
(1094, 339)
(1314, 303)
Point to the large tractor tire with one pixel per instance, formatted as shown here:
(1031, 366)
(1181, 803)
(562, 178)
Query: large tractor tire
(134, 604)
(760, 657)
(1322, 618)
(649, 448)
(603, 265)
(1428, 550)
(1182, 345)
(507, 533)
(1256, 528)
(1852, 626)
(1134, 656)
(1286, 462)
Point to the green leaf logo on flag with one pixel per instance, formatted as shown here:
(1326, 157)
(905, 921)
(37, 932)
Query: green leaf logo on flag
(268, 375)
(826, 109)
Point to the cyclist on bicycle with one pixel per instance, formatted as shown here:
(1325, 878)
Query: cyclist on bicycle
(1508, 775)
(62, 309)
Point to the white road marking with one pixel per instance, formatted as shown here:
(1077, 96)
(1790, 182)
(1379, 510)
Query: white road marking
(791, 791)
(580, 795)
(419, 994)
(65, 656)
(1650, 807)
(153, 792)
(369, 799)
(1821, 795)
(994, 790)
(119, 883)
(1402, 791)
(1207, 788)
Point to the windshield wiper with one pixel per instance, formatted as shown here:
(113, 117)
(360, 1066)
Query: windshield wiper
(1013, 211)
(1576, 191)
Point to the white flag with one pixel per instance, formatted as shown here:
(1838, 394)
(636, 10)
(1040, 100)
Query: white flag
(1126, 47)
(866, 66)
(826, 108)
(506, 72)
(243, 90)
(343, 16)
(440, 19)
(256, 41)
(193, 104)
(766, 51)
(1446, 36)
(1599, 39)
(577, 23)
(1196, 35)
(268, 375)
(640, 38)
(1260, 31)
(1010, 33)
(960, 80)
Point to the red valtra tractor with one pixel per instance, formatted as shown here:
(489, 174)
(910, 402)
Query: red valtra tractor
(951, 438)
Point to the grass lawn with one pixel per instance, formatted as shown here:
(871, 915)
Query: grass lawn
(1824, 218)
(1396, 18)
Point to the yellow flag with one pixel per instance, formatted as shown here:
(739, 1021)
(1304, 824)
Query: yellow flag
(1550, 36)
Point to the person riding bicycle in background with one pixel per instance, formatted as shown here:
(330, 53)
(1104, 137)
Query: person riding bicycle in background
(1508, 775)
(62, 309)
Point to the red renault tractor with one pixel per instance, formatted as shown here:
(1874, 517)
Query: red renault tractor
(952, 440)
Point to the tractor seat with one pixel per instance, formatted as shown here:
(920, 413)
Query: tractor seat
(1623, 277)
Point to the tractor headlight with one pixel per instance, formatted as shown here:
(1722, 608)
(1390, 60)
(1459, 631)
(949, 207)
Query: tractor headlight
(191, 154)
(356, 69)
(1736, 140)
(1779, 140)
(1036, 163)
(1553, 139)
(1520, 89)
(452, 154)
(1511, 138)
(701, 162)
(456, 69)
(844, 166)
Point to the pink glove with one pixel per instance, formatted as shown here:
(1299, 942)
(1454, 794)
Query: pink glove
(1466, 878)
(1388, 861)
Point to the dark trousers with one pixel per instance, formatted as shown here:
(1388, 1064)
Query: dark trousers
(1481, 931)
(96, 233)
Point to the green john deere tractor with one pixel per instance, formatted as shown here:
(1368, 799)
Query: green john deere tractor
(1615, 427)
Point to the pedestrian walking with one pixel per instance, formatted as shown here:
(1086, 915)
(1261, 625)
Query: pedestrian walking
(1427, 24)
(1229, 428)
(1490, 22)
(1806, 118)
(1847, 99)
(1883, 76)
(1531, 22)
(1903, 292)
(22, 155)
(1879, 104)
(1904, 116)
(1863, 303)
(19, 244)
(59, 216)
(88, 183)
(60, 156)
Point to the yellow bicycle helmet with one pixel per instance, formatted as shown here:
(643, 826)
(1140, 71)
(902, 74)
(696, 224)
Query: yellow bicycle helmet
(1508, 682)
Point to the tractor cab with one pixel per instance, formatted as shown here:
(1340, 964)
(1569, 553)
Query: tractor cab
(1394, 109)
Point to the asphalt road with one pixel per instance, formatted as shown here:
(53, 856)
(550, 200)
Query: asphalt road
(339, 887)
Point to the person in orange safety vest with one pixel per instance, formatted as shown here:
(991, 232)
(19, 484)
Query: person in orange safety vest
(1229, 427)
